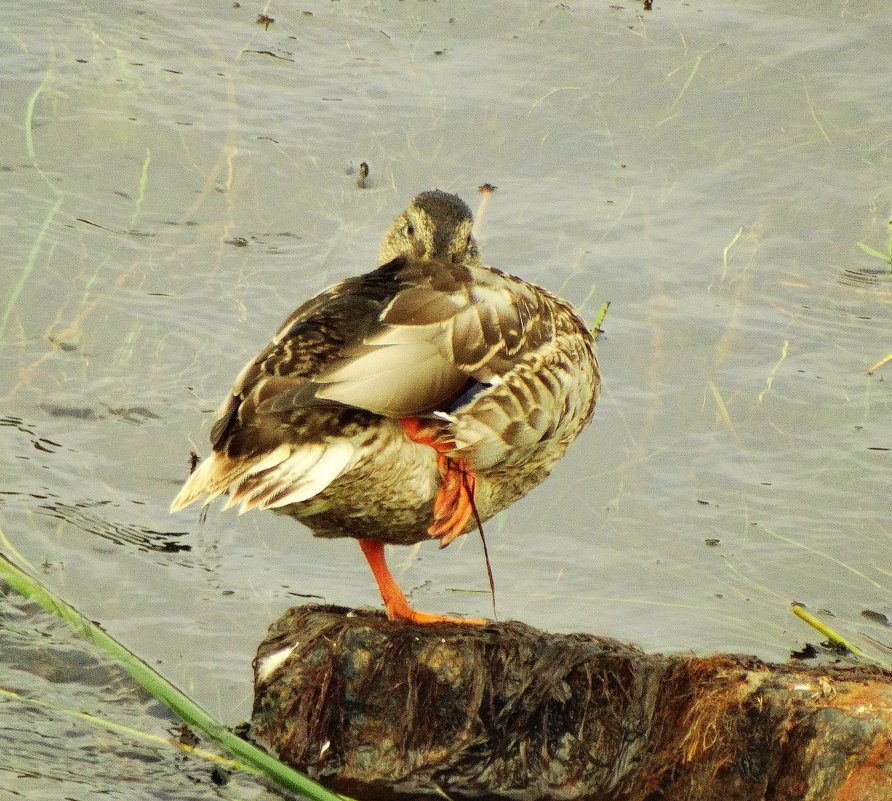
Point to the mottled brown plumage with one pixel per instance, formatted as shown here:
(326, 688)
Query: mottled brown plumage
(391, 404)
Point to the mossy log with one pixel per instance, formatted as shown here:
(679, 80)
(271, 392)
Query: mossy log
(380, 710)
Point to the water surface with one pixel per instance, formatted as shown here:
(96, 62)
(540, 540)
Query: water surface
(175, 179)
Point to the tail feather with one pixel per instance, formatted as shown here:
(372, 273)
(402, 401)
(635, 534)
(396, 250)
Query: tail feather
(204, 480)
(218, 473)
(257, 486)
(338, 457)
(288, 474)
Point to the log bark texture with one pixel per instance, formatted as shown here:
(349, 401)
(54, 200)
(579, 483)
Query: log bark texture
(381, 710)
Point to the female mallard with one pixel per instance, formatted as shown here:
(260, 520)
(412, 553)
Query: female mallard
(402, 404)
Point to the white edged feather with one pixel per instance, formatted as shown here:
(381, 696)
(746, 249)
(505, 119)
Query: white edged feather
(338, 457)
(255, 487)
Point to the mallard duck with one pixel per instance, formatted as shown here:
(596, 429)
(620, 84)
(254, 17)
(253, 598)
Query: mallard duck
(408, 403)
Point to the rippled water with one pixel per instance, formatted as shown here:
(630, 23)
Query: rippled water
(175, 179)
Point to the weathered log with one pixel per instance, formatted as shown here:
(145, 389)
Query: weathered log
(377, 710)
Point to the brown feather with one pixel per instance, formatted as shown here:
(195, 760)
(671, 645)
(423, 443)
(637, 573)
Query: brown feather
(497, 369)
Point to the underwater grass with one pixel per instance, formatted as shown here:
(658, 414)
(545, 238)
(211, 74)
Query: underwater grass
(887, 259)
(884, 257)
(39, 241)
(250, 757)
(128, 731)
(874, 367)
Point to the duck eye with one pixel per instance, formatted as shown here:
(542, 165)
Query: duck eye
(410, 229)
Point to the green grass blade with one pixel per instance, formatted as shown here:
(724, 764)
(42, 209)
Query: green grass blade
(602, 312)
(824, 629)
(875, 253)
(256, 760)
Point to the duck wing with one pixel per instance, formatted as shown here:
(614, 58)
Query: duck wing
(449, 327)
(274, 442)
(489, 364)
(414, 338)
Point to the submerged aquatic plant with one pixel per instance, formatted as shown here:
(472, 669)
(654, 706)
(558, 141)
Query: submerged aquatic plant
(885, 257)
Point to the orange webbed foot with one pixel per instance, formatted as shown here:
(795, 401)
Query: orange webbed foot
(394, 600)
(426, 618)
(454, 503)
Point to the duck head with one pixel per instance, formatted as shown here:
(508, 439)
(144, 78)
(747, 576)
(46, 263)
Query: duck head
(436, 226)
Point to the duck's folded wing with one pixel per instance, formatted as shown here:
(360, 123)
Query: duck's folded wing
(431, 341)
(549, 396)
(490, 365)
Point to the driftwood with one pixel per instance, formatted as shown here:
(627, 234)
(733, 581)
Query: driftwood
(377, 709)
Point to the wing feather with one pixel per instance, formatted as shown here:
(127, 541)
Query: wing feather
(414, 338)
(454, 324)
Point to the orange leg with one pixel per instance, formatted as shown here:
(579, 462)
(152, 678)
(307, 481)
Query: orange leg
(394, 601)
(454, 503)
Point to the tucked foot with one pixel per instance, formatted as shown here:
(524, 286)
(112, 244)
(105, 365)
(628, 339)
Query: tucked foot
(394, 600)
(454, 503)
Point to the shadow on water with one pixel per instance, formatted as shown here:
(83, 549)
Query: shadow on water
(85, 515)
